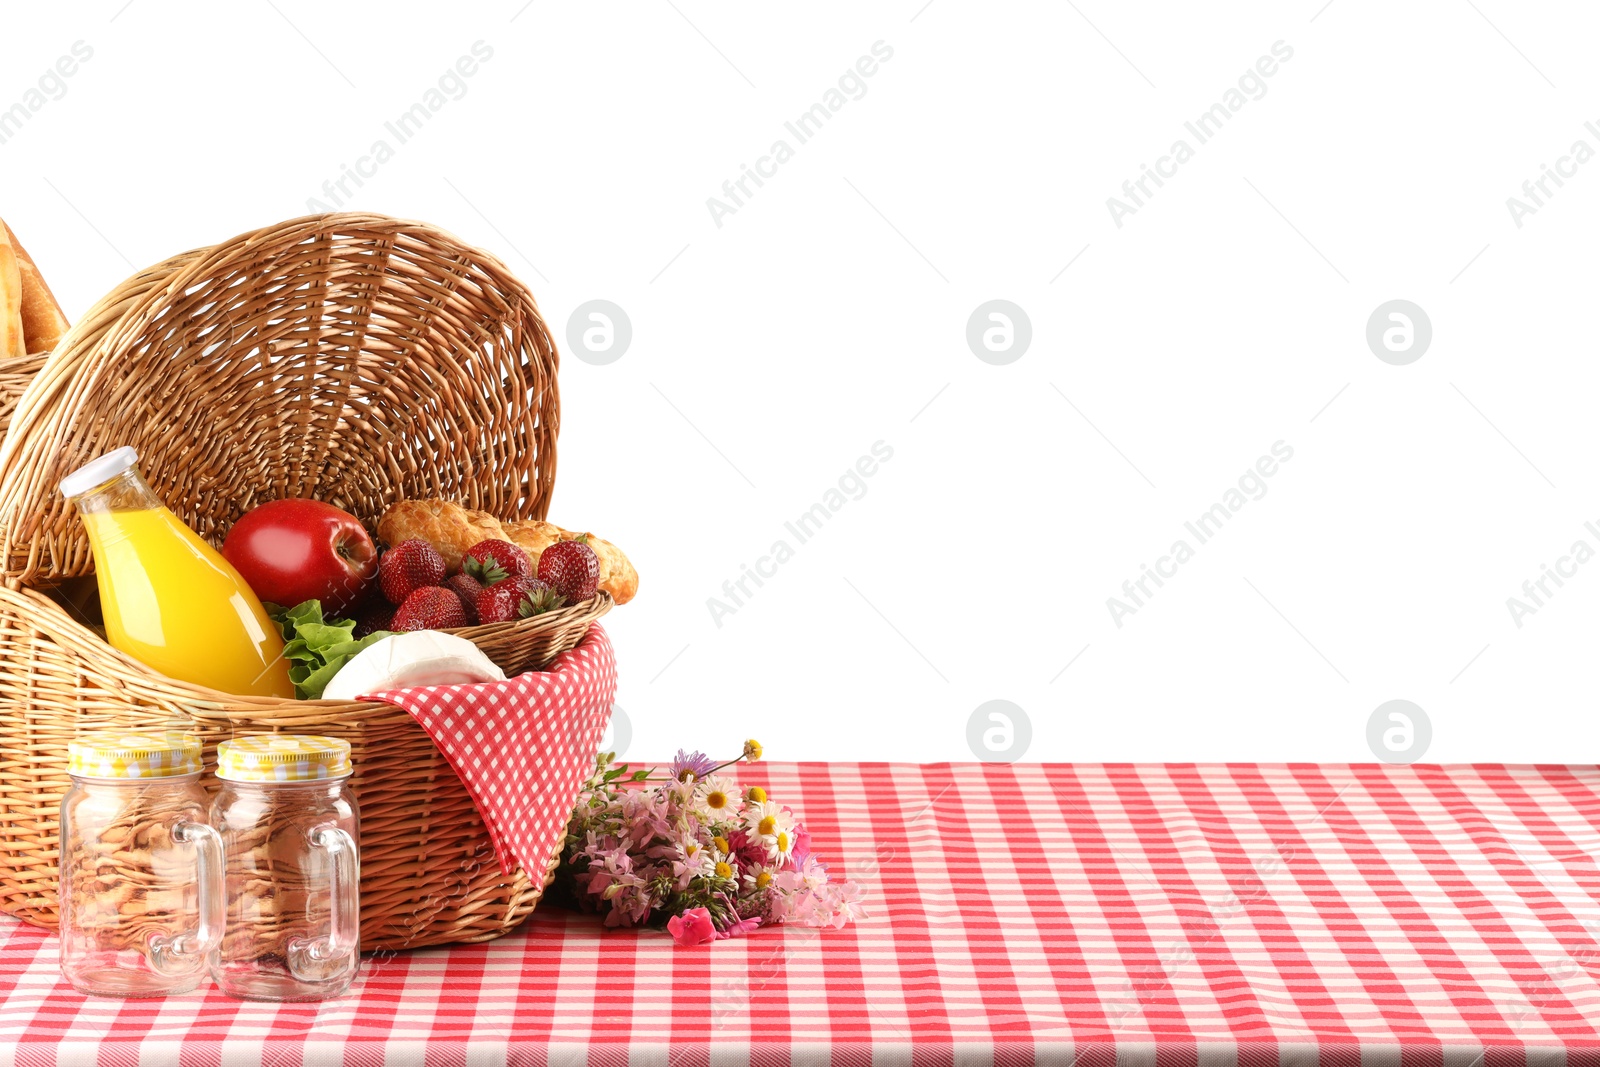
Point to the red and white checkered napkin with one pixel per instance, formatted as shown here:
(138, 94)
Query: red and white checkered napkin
(523, 746)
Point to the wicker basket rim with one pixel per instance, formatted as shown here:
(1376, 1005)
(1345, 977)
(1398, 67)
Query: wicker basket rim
(586, 612)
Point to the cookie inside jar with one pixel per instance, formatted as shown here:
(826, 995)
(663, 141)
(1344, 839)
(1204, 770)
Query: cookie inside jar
(139, 866)
(289, 827)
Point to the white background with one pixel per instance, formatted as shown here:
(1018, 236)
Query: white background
(829, 312)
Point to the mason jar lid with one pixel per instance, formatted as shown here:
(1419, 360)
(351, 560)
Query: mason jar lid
(133, 754)
(283, 758)
(98, 471)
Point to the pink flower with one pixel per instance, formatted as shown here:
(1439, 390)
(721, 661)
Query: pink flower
(629, 907)
(747, 851)
(802, 844)
(739, 929)
(693, 927)
(813, 875)
(838, 903)
(644, 814)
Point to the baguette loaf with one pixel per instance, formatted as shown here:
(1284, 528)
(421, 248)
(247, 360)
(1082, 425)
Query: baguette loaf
(12, 340)
(43, 322)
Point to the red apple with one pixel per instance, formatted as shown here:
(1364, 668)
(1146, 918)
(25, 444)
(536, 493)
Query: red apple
(290, 551)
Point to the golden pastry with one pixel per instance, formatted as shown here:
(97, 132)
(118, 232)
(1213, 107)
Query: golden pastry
(448, 527)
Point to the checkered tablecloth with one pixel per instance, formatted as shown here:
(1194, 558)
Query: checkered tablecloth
(1068, 913)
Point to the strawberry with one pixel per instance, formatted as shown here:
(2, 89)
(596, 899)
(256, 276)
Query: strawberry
(432, 607)
(571, 568)
(540, 600)
(498, 602)
(495, 560)
(467, 588)
(407, 567)
(377, 615)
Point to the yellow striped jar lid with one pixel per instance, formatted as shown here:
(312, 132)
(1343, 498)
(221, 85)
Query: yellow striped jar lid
(283, 758)
(133, 754)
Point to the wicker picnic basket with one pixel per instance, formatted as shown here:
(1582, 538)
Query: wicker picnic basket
(353, 358)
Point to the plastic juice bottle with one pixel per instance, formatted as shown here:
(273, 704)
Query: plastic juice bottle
(169, 599)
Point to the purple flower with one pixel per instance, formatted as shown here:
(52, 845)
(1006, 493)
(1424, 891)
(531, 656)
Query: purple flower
(696, 763)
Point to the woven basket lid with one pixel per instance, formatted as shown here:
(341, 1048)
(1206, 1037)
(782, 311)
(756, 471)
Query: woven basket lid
(351, 358)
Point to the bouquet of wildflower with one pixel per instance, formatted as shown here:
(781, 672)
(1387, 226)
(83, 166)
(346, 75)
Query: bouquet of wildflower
(692, 850)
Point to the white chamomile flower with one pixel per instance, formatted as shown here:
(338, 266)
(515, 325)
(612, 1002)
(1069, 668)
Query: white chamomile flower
(767, 820)
(717, 799)
(780, 846)
(757, 878)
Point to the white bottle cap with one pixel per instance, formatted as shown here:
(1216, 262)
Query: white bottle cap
(98, 471)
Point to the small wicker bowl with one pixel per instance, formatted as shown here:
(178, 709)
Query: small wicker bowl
(529, 644)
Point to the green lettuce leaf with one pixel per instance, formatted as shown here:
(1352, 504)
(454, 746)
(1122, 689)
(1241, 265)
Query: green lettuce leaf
(317, 649)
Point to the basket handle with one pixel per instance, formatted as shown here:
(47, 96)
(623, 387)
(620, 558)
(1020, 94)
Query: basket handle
(48, 406)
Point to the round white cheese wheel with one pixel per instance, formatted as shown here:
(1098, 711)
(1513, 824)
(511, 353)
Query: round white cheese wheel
(422, 657)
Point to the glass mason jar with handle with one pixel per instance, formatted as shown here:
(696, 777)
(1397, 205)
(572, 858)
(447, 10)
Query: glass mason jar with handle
(289, 827)
(141, 888)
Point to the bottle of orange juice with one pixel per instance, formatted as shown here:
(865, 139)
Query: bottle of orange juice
(169, 599)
